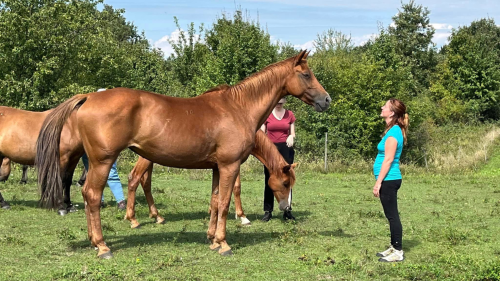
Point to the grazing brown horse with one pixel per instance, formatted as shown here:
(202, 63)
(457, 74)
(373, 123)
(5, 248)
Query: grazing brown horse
(18, 133)
(211, 131)
(282, 179)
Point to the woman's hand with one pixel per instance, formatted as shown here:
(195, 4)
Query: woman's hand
(376, 189)
(289, 141)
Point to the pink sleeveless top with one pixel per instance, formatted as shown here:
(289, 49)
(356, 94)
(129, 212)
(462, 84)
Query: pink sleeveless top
(279, 130)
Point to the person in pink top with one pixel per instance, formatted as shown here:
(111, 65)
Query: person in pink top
(280, 128)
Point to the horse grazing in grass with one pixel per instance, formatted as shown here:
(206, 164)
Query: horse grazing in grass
(211, 131)
(281, 180)
(18, 134)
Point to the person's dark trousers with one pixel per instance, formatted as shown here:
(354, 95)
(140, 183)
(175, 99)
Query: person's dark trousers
(389, 200)
(288, 154)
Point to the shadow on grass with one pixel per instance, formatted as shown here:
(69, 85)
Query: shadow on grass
(119, 242)
(300, 216)
(409, 244)
(24, 203)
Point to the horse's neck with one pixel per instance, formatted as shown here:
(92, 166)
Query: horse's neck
(267, 153)
(257, 95)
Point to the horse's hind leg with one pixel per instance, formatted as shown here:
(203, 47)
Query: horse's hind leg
(237, 202)
(92, 193)
(67, 181)
(146, 186)
(24, 178)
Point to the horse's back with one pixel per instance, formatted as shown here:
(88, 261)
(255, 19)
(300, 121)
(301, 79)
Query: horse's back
(18, 133)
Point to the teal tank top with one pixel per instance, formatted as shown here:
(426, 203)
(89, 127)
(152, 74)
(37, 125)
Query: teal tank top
(394, 172)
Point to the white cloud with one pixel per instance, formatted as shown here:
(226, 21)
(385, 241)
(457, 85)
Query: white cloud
(441, 26)
(164, 44)
(361, 40)
(309, 45)
(441, 38)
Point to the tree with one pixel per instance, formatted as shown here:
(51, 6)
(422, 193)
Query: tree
(53, 49)
(408, 43)
(473, 56)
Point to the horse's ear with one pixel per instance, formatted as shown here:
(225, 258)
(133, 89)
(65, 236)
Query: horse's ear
(287, 168)
(300, 56)
(307, 54)
(294, 165)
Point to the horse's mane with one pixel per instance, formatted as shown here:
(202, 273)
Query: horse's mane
(268, 77)
(268, 151)
(221, 87)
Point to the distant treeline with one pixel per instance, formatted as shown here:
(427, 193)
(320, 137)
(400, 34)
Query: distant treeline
(53, 49)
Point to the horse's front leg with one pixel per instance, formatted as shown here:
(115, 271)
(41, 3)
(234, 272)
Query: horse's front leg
(134, 178)
(227, 174)
(146, 186)
(237, 202)
(4, 175)
(24, 178)
(214, 203)
(4, 168)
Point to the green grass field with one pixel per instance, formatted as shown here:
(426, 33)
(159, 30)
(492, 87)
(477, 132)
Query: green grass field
(451, 232)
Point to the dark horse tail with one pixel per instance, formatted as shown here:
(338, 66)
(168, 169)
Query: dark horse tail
(47, 158)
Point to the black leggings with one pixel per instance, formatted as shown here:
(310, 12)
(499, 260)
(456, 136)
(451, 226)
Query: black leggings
(389, 200)
(288, 154)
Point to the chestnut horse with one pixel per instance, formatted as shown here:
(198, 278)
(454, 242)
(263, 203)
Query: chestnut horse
(264, 150)
(282, 177)
(18, 133)
(211, 131)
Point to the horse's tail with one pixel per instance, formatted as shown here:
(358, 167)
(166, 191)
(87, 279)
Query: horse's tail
(47, 158)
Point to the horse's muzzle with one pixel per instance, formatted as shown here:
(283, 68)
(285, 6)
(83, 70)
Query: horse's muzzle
(323, 103)
(284, 206)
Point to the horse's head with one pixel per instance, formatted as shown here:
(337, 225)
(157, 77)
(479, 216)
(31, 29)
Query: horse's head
(281, 184)
(303, 84)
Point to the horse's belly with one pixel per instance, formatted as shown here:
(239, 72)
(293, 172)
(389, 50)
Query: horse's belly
(179, 157)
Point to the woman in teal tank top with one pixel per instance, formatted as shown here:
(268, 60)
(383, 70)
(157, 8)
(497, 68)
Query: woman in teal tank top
(388, 176)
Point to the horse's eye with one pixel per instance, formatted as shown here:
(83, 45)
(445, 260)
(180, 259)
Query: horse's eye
(286, 183)
(306, 75)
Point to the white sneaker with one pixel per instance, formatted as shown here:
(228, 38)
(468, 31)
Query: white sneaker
(386, 252)
(395, 256)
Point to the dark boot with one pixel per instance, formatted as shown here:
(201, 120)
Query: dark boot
(4, 205)
(122, 205)
(287, 215)
(267, 216)
(71, 208)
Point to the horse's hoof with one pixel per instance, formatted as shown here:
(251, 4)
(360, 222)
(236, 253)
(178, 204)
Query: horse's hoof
(163, 221)
(227, 253)
(215, 247)
(245, 221)
(106, 256)
(62, 212)
(6, 206)
(23, 182)
(135, 226)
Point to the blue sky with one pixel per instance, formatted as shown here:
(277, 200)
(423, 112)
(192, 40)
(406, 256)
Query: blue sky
(299, 22)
